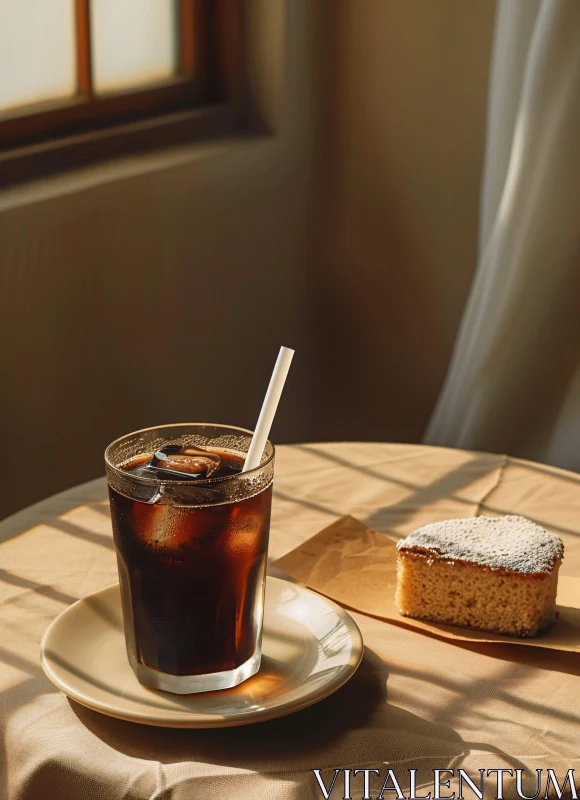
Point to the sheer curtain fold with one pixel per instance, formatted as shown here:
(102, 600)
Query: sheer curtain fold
(517, 353)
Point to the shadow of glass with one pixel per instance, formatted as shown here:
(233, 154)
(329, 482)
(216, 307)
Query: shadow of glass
(355, 720)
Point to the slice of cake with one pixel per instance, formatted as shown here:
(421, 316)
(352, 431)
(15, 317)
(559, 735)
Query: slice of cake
(493, 573)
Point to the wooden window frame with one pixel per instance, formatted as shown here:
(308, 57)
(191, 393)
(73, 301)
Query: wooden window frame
(202, 100)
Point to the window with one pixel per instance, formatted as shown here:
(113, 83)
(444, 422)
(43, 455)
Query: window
(83, 80)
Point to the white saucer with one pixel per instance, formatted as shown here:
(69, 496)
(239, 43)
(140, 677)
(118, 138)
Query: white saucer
(310, 648)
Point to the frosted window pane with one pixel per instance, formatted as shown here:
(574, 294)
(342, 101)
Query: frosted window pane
(134, 42)
(37, 51)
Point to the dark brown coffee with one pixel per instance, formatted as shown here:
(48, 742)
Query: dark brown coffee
(191, 576)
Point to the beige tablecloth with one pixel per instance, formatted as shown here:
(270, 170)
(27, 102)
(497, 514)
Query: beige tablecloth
(416, 702)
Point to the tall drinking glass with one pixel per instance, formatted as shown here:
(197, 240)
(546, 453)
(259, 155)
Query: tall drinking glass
(191, 552)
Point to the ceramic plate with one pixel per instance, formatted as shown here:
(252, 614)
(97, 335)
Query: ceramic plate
(310, 648)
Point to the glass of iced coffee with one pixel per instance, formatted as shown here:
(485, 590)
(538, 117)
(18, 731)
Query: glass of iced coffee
(191, 533)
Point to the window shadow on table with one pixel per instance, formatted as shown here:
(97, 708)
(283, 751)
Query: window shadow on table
(449, 485)
(35, 586)
(446, 485)
(355, 726)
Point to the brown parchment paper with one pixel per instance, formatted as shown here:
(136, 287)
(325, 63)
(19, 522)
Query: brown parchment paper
(356, 566)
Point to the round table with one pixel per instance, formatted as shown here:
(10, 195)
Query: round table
(417, 701)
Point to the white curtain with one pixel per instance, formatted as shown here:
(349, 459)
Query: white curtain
(514, 380)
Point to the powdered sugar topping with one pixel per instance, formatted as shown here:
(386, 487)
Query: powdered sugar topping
(511, 542)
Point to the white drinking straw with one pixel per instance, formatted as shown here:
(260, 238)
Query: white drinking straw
(269, 407)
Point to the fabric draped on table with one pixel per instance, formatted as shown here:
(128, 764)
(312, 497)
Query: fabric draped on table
(417, 701)
(514, 380)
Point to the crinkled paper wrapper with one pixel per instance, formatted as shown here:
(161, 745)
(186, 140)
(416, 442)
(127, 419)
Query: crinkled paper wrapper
(357, 567)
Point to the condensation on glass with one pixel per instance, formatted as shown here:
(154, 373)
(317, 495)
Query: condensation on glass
(37, 51)
(134, 42)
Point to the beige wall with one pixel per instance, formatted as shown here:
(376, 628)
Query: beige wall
(159, 289)
(401, 155)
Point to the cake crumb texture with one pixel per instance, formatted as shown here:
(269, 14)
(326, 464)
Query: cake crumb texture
(492, 574)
